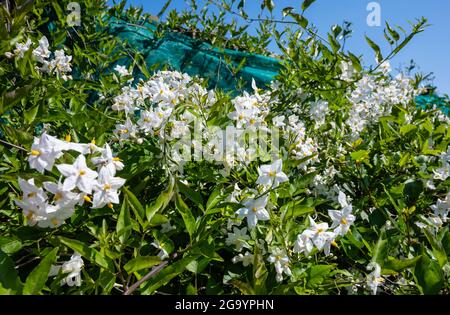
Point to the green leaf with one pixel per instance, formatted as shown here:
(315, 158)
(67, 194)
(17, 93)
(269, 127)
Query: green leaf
(193, 195)
(376, 49)
(269, 5)
(393, 265)
(428, 275)
(161, 202)
(37, 278)
(9, 279)
(135, 204)
(186, 214)
(300, 19)
(436, 245)
(214, 198)
(124, 222)
(360, 156)
(394, 34)
(30, 114)
(10, 245)
(167, 274)
(407, 128)
(317, 274)
(244, 287)
(106, 281)
(141, 262)
(89, 253)
(380, 250)
(306, 4)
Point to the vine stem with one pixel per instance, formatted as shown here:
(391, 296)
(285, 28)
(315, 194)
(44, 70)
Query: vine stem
(149, 275)
(13, 145)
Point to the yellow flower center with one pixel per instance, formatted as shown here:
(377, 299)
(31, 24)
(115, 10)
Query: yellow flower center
(68, 138)
(55, 221)
(116, 159)
(174, 101)
(124, 131)
(272, 173)
(254, 209)
(343, 221)
(277, 257)
(252, 121)
(334, 244)
(31, 195)
(160, 115)
(110, 205)
(86, 198)
(319, 231)
(57, 197)
(30, 215)
(35, 153)
(82, 172)
(106, 186)
(146, 120)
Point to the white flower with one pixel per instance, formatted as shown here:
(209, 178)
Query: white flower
(374, 279)
(246, 259)
(443, 172)
(254, 210)
(238, 238)
(78, 175)
(42, 52)
(347, 71)
(272, 174)
(127, 130)
(281, 261)
(21, 48)
(43, 153)
(62, 198)
(122, 70)
(163, 254)
(441, 208)
(318, 111)
(319, 235)
(108, 161)
(303, 244)
(167, 227)
(61, 64)
(344, 218)
(278, 121)
(72, 267)
(53, 216)
(31, 193)
(106, 190)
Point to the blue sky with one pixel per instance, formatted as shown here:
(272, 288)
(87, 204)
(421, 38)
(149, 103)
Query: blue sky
(430, 49)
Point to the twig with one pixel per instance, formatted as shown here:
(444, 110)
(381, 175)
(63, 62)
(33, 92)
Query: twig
(13, 145)
(152, 272)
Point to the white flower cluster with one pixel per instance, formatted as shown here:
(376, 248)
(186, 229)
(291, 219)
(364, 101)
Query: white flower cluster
(250, 110)
(318, 111)
(374, 97)
(79, 181)
(318, 234)
(59, 64)
(443, 172)
(71, 269)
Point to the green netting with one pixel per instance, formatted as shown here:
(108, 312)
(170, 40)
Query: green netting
(194, 57)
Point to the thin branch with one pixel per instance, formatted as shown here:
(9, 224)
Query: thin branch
(149, 275)
(13, 145)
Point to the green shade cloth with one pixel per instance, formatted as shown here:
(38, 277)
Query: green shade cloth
(182, 53)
